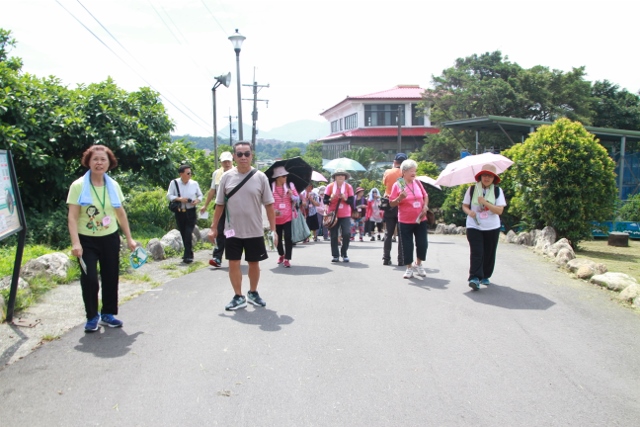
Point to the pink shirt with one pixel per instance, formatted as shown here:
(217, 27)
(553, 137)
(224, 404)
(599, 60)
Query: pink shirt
(410, 207)
(344, 209)
(283, 204)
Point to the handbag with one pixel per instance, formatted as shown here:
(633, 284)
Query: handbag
(299, 228)
(330, 219)
(174, 205)
(384, 204)
(431, 217)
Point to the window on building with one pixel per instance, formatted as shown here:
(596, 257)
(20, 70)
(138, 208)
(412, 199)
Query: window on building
(334, 126)
(417, 117)
(341, 124)
(383, 114)
(351, 122)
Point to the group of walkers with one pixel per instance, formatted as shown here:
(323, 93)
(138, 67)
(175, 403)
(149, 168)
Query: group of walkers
(240, 193)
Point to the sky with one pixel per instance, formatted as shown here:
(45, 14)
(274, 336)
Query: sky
(311, 53)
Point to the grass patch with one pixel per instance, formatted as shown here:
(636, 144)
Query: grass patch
(49, 337)
(617, 259)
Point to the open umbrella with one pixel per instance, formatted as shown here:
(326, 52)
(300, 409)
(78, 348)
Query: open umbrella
(344, 163)
(317, 176)
(299, 172)
(428, 181)
(464, 171)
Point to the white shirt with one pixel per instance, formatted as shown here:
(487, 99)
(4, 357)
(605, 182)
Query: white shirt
(492, 220)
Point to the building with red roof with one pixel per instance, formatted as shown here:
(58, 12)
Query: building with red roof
(372, 121)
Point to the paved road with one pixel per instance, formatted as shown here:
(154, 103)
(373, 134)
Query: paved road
(347, 345)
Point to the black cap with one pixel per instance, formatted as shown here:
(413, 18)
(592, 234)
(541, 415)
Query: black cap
(400, 157)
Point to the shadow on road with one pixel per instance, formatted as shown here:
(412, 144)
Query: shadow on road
(506, 297)
(107, 343)
(268, 320)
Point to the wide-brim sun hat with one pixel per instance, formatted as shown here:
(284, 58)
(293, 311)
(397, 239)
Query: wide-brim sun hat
(340, 172)
(359, 189)
(279, 171)
(488, 169)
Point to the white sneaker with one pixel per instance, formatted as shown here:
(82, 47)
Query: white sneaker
(419, 270)
(408, 274)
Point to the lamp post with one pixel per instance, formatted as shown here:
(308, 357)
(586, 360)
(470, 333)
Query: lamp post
(220, 80)
(237, 39)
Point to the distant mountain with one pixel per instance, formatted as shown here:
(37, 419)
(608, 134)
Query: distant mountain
(298, 131)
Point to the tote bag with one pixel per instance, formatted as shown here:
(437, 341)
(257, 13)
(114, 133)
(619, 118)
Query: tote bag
(299, 228)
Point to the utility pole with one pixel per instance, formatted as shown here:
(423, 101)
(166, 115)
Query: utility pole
(399, 118)
(254, 115)
(230, 128)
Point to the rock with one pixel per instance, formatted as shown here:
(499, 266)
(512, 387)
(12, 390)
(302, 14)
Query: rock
(524, 238)
(5, 283)
(630, 293)
(460, 230)
(54, 264)
(535, 236)
(2, 308)
(545, 238)
(557, 246)
(584, 272)
(156, 250)
(440, 229)
(636, 302)
(585, 268)
(614, 281)
(196, 235)
(204, 235)
(564, 256)
(173, 239)
(511, 236)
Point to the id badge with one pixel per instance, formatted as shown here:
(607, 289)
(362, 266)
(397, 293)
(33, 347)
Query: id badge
(340, 206)
(229, 233)
(282, 206)
(484, 215)
(416, 205)
(106, 220)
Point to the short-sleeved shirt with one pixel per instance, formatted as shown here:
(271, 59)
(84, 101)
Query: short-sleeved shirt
(283, 204)
(492, 220)
(190, 190)
(244, 209)
(216, 176)
(389, 178)
(344, 208)
(409, 208)
(90, 222)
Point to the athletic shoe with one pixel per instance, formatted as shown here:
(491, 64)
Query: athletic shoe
(237, 302)
(419, 270)
(187, 260)
(474, 284)
(393, 239)
(215, 262)
(255, 299)
(287, 264)
(485, 282)
(373, 239)
(387, 262)
(110, 321)
(345, 259)
(379, 237)
(92, 324)
(361, 239)
(335, 259)
(281, 259)
(408, 274)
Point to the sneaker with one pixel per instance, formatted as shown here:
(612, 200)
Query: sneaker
(335, 259)
(281, 259)
(387, 262)
(474, 284)
(393, 239)
(373, 239)
(287, 264)
(215, 262)
(378, 237)
(254, 298)
(419, 270)
(92, 324)
(361, 239)
(408, 274)
(237, 302)
(345, 259)
(485, 282)
(110, 321)
(187, 260)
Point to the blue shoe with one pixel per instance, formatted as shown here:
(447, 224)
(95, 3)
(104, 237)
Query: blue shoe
(254, 298)
(345, 259)
(110, 321)
(474, 284)
(92, 324)
(237, 302)
(485, 282)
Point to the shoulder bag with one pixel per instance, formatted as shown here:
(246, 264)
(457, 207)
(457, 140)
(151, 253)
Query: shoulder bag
(330, 218)
(299, 228)
(174, 205)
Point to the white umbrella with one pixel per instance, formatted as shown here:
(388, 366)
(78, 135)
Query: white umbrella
(464, 171)
(344, 163)
(428, 180)
(317, 176)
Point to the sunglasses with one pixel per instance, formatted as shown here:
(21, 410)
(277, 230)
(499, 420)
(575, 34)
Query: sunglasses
(246, 154)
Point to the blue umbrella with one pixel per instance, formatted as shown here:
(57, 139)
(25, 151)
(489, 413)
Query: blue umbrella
(344, 163)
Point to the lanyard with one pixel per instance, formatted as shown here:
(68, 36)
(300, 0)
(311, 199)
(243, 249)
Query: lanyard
(104, 197)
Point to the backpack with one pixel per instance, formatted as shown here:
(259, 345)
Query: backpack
(496, 191)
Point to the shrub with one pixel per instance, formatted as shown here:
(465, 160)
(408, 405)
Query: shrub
(630, 211)
(148, 213)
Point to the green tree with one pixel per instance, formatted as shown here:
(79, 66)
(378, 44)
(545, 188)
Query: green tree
(291, 153)
(630, 211)
(313, 156)
(563, 178)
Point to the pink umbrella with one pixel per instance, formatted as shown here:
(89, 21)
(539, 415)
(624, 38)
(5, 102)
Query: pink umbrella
(317, 176)
(463, 171)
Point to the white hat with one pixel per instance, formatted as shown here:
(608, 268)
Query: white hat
(279, 171)
(226, 156)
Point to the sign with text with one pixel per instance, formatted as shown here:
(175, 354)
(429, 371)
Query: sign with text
(9, 216)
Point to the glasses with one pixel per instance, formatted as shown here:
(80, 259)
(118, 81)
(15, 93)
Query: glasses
(246, 153)
(187, 173)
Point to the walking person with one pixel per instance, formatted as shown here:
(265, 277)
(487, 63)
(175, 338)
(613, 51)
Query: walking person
(242, 192)
(358, 214)
(483, 203)
(226, 161)
(186, 191)
(373, 214)
(339, 196)
(322, 209)
(310, 205)
(412, 201)
(95, 216)
(391, 215)
(285, 198)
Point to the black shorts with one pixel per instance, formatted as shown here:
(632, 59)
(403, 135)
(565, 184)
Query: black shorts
(254, 249)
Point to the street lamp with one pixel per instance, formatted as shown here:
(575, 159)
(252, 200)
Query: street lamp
(237, 40)
(220, 80)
